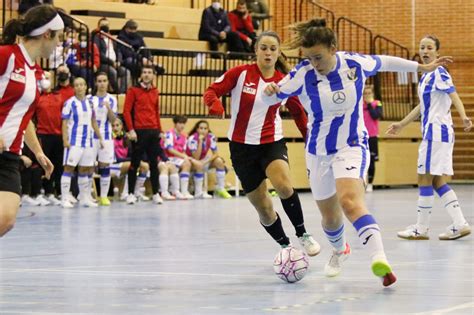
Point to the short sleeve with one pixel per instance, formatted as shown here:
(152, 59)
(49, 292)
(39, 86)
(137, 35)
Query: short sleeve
(113, 104)
(213, 146)
(370, 64)
(292, 83)
(67, 109)
(443, 81)
(192, 144)
(169, 140)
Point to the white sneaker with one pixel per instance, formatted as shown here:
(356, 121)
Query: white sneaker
(167, 196)
(188, 196)
(311, 247)
(453, 232)
(414, 232)
(157, 199)
(66, 204)
(42, 200)
(369, 188)
(88, 203)
(28, 201)
(204, 195)
(142, 197)
(334, 266)
(55, 201)
(131, 199)
(178, 195)
(71, 198)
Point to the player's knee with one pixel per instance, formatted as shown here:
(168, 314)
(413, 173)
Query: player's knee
(348, 202)
(283, 188)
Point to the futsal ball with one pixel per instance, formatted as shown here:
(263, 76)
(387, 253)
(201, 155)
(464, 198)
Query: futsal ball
(291, 264)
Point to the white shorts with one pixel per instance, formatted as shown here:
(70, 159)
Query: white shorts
(435, 158)
(106, 154)
(177, 161)
(349, 162)
(115, 169)
(74, 156)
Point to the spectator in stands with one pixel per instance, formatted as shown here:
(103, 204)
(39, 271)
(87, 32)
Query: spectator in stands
(259, 12)
(215, 28)
(241, 23)
(64, 88)
(372, 114)
(80, 65)
(48, 128)
(142, 118)
(110, 58)
(202, 148)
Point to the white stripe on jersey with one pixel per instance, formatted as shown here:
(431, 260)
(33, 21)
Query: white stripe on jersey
(5, 78)
(105, 126)
(235, 103)
(79, 116)
(9, 129)
(433, 91)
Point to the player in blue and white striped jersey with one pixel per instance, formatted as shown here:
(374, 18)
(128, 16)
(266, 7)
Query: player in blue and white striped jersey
(105, 109)
(330, 85)
(78, 125)
(437, 93)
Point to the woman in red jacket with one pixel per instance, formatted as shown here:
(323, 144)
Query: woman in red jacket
(257, 147)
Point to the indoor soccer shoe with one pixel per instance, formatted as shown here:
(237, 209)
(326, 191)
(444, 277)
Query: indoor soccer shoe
(104, 201)
(311, 247)
(167, 196)
(414, 232)
(334, 266)
(453, 232)
(382, 269)
(222, 193)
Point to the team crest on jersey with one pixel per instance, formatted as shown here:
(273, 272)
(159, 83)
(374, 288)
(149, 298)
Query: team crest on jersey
(339, 97)
(352, 74)
(17, 76)
(248, 88)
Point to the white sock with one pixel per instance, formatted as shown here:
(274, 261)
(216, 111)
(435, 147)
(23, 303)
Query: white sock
(425, 204)
(164, 182)
(125, 186)
(84, 184)
(451, 204)
(174, 181)
(184, 181)
(65, 185)
(220, 179)
(104, 182)
(198, 182)
(337, 238)
(141, 178)
(370, 237)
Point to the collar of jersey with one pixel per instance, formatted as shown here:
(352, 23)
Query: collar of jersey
(338, 65)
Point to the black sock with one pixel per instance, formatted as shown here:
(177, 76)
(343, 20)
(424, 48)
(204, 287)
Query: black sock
(276, 232)
(293, 209)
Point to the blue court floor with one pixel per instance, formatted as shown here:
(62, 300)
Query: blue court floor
(213, 257)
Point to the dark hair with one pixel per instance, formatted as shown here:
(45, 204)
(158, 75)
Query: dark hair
(196, 126)
(180, 119)
(131, 24)
(102, 19)
(281, 64)
(310, 33)
(241, 2)
(34, 18)
(435, 39)
(98, 74)
(148, 67)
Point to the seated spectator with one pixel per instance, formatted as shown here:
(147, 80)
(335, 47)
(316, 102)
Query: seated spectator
(111, 58)
(175, 148)
(79, 65)
(259, 12)
(241, 23)
(215, 28)
(201, 142)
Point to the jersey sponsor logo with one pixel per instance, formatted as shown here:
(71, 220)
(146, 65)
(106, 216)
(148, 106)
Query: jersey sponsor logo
(249, 90)
(339, 97)
(352, 74)
(17, 76)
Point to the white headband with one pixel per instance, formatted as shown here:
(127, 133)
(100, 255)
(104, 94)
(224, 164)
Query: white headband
(55, 24)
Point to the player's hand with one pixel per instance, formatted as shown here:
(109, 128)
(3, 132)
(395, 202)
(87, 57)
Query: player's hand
(217, 109)
(2, 145)
(27, 162)
(394, 129)
(106, 104)
(272, 89)
(441, 61)
(45, 164)
(467, 122)
(132, 135)
(102, 143)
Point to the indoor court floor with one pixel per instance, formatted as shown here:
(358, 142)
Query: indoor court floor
(213, 257)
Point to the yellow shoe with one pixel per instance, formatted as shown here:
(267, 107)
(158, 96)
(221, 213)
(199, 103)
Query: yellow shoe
(222, 193)
(104, 201)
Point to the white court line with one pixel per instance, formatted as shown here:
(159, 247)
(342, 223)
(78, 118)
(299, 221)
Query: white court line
(448, 310)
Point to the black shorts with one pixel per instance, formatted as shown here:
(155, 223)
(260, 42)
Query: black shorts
(251, 161)
(10, 179)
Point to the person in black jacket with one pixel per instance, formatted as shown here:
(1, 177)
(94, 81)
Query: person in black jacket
(111, 58)
(215, 28)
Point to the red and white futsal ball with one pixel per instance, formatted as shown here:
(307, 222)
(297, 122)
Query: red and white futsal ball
(291, 264)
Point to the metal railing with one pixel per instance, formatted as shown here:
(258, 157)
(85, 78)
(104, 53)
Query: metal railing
(9, 10)
(311, 9)
(353, 37)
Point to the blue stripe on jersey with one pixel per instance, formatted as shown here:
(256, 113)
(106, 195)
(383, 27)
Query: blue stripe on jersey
(282, 95)
(331, 139)
(334, 78)
(107, 131)
(75, 117)
(428, 157)
(85, 127)
(429, 133)
(303, 63)
(444, 133)
(378, 64)
(443, 73)
(84, 105)
(353, 139)
(313, 95)
(427, 101)
(364, 162)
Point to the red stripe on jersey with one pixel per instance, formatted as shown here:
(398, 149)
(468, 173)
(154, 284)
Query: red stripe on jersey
(268, 130)
(246, 105)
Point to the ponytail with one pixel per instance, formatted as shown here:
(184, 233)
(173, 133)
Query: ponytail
(13, 28)
(310, 33)
(282, 65)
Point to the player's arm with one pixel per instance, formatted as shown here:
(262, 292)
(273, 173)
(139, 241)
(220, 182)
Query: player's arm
(220, 87)
(96, 129)
(111, 115)
(299, 115)
(177, 153)
(396, 128)
(290, 85)
(32, 142)
(458, 104)
(196, 154)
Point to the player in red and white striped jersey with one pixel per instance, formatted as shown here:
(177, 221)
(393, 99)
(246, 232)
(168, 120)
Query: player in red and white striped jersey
(20, 79)
(256, 139)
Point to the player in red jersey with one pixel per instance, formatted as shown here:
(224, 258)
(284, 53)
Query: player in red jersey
(20, 80)
(257, 147)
